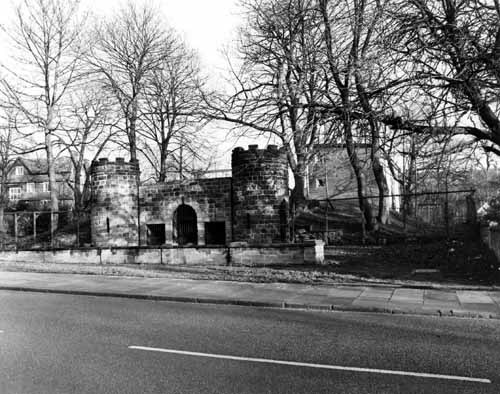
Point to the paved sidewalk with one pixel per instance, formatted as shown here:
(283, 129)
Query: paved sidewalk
(484, 304)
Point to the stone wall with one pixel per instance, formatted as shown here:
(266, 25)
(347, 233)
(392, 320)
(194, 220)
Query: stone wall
(210, 199)
(114, 202)
(491, 238)
(267, 255)
(289, 254)
(260, 195)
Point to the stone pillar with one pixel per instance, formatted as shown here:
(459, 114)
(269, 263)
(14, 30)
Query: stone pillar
(260, 195)
(114, 211)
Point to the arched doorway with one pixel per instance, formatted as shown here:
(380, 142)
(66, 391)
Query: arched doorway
(185, 225)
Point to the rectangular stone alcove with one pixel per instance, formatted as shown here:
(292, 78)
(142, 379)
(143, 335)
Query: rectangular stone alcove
(215, 233)
(156, 234)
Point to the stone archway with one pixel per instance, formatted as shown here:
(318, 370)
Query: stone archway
(185, 225)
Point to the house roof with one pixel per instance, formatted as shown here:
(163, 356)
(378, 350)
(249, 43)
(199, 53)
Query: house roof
(358, 145)
(39, 167)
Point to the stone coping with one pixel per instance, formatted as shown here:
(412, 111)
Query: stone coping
(149, 247)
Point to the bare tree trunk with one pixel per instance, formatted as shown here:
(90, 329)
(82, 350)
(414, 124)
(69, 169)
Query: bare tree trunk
(54, 198)
(77, 192)
(298, 195)
(375, 152)
(364, 203)
(2, 221)
(408, 181)
(162, 176)
(132, 127)
(344, 90)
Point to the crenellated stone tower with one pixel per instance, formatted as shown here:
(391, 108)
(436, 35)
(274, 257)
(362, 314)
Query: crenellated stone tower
(260, 195)
(114, 209)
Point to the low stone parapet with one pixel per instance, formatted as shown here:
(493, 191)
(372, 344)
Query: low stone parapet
(237, 255)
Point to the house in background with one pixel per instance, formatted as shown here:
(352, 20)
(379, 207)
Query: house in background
(331, 175)
(28, 182)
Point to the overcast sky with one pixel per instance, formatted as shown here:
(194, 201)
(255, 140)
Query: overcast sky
(206, 25)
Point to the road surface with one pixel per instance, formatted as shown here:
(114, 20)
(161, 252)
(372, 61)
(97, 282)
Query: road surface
(53, 343)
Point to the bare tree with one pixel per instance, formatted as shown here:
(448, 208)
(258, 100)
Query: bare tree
(171, 115)
(451, 51)
(88, 131)
(278, 89)
(13, 144)
(7, 158)
(47, 47)
(347, 38)
(128, 48)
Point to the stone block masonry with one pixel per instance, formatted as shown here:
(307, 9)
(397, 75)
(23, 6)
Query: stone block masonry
(260, 195)
(114, 210)
(251, 207)
(209, 198)
(265, 255)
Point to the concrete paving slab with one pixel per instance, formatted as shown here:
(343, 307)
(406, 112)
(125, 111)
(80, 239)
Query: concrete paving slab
(474, 297)
(442, 306)
(312, 299)
(411, 296)
(376, 294)
(368, 303)
(339, 292)
(495, 296)
(440, 295)
(442, 300)
(481, 307)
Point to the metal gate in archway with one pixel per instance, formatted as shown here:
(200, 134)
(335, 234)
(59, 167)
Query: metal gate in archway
(185, 225)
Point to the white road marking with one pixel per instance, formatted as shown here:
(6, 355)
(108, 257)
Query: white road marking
(309, 365)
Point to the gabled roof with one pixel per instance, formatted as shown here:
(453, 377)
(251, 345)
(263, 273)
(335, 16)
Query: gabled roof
(39, 166)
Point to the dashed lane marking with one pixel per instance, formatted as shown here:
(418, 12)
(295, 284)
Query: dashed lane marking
(309, 365)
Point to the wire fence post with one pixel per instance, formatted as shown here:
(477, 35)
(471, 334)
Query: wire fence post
(446, 214)
(51, 228)
(77, 211)
(34, 227)
(15, 229)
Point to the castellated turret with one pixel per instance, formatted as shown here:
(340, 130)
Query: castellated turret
(114, 201)
(260, 195)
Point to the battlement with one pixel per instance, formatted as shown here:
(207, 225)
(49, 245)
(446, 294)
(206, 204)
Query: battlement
(254, 149)
(118, 163)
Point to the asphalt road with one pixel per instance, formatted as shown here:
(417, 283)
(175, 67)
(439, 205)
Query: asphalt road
(80, 344)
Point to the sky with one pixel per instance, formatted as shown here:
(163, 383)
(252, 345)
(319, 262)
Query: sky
(206, 26)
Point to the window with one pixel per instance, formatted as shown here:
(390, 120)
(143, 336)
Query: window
(14, 193)
(215, 233)
(19, 170)
(30, 188)
(156, 234)
(45, 186)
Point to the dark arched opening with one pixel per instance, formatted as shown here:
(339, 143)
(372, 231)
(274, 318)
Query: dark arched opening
(185, 225)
